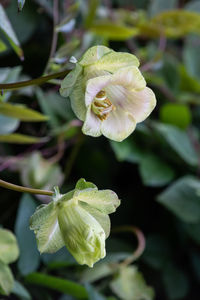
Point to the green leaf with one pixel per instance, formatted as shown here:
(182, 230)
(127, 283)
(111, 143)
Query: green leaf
(2, 46)
(176, 282)
(29, 255)
(190, 56)
(92, 8)
(20, 4)
(179, 141)
(7, 29)
(44, 222)
(20, 291)
(58, 284)
(176, 114)
(113, 31)
(21, 112)
(193, 230)
(6, 279)
(93, 294)
(99, 271)
(183, 199)
(154, 171)
(17, 138)
(9, 250)
(8, 125)
(157, 6)
(130, 285)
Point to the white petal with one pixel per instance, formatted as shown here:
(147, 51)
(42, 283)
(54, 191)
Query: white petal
(94, 86)
(92, 124)
(118, 126)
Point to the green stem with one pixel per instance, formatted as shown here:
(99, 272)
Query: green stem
(23, 189)
(36, 81)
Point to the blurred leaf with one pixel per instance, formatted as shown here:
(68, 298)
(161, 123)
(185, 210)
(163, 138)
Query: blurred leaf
(179, 141)
(188, 82)
(92, 8)
(29, 255)
(21, 112)
(129, 284)
(7, 29)
(157, 6)
(183, 199)
(61, 256)
(17, 138)
(93, 294)
(8, 125)
(154, 171)
(20, 291)
(6, 279)
(193, 6)
(195, 258)
(113, 31)
(58, 284)
(99, 271)
(2, 46)
(176, 114)
(8, 75)
(21, 4)
(191, 55)
(9, 250)
(193, 230)
(175, 281)
(127, 151)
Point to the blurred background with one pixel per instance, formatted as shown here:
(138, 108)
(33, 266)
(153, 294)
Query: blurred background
(155, 171)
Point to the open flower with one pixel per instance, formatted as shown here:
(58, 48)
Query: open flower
(79, 220)
(108, 93)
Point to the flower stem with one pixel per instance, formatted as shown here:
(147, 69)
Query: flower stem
(36, 81)
(141, 243)
(23, 189)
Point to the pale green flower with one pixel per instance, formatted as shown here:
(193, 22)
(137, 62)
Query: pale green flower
(108, 92)
(79, 220)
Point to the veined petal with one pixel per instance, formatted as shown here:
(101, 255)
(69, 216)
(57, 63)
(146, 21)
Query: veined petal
(94, 54)
(92, 124)
(94, 85)
(77, 98)
(119, 125)
(130, 78)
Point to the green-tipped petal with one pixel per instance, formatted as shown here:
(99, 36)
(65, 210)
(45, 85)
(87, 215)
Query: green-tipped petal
(77, 98)
(94, 54)
(82, 184)
(44, 222)
(70, 80)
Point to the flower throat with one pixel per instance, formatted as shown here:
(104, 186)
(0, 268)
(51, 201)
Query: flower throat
(102, 106)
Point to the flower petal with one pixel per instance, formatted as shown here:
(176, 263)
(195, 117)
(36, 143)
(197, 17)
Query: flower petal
(93, 54)
(118, 126)
(92, 124)
(77, 99)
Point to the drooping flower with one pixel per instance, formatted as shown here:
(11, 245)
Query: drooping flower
(79, 220)
(108, 92)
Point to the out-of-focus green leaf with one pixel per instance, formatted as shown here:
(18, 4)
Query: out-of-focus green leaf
(20, 291)
(20, 4)
(29, 255)
(158, 6)
(6, 279)
(191, 55)
(8, 75)
(176, 114)
(92, 7)
(99, 271)
(187, 82)
(2, 46)
(113, 31)
(175, 281)
(195, 258)
(127, 151)
(179, 141)
(7, 29)
(17, 138)
(93, 294)
(154, 171)
(193, 6)
(58, 284)
(183, 199)
(8, 125)
(193, 230)
(21, 112)
(9, 250)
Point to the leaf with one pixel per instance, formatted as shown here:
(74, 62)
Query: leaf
(158, 6)
(190, 56)
(175, 281)
(6, 279)
(2, 46)
(7, 29)
(93, 294)
(193, 230)
(179, 141)
(44, 222)
(113, 31)
(58, 284)
(20, 4)
(92, 8)
(17, 138)
(176, 114)
(29, 255)
(99, 271)
(154, 171)
(9, 250)
(130, 285)
(21, 112)
(183, 199)
(8, 125)
(20, 291)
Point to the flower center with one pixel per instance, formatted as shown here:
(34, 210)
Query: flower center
(102, 106)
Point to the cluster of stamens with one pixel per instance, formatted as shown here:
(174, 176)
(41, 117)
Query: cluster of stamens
(102, 106)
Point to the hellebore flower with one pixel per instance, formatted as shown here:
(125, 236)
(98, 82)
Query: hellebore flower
(79, 220)
(108, 92)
